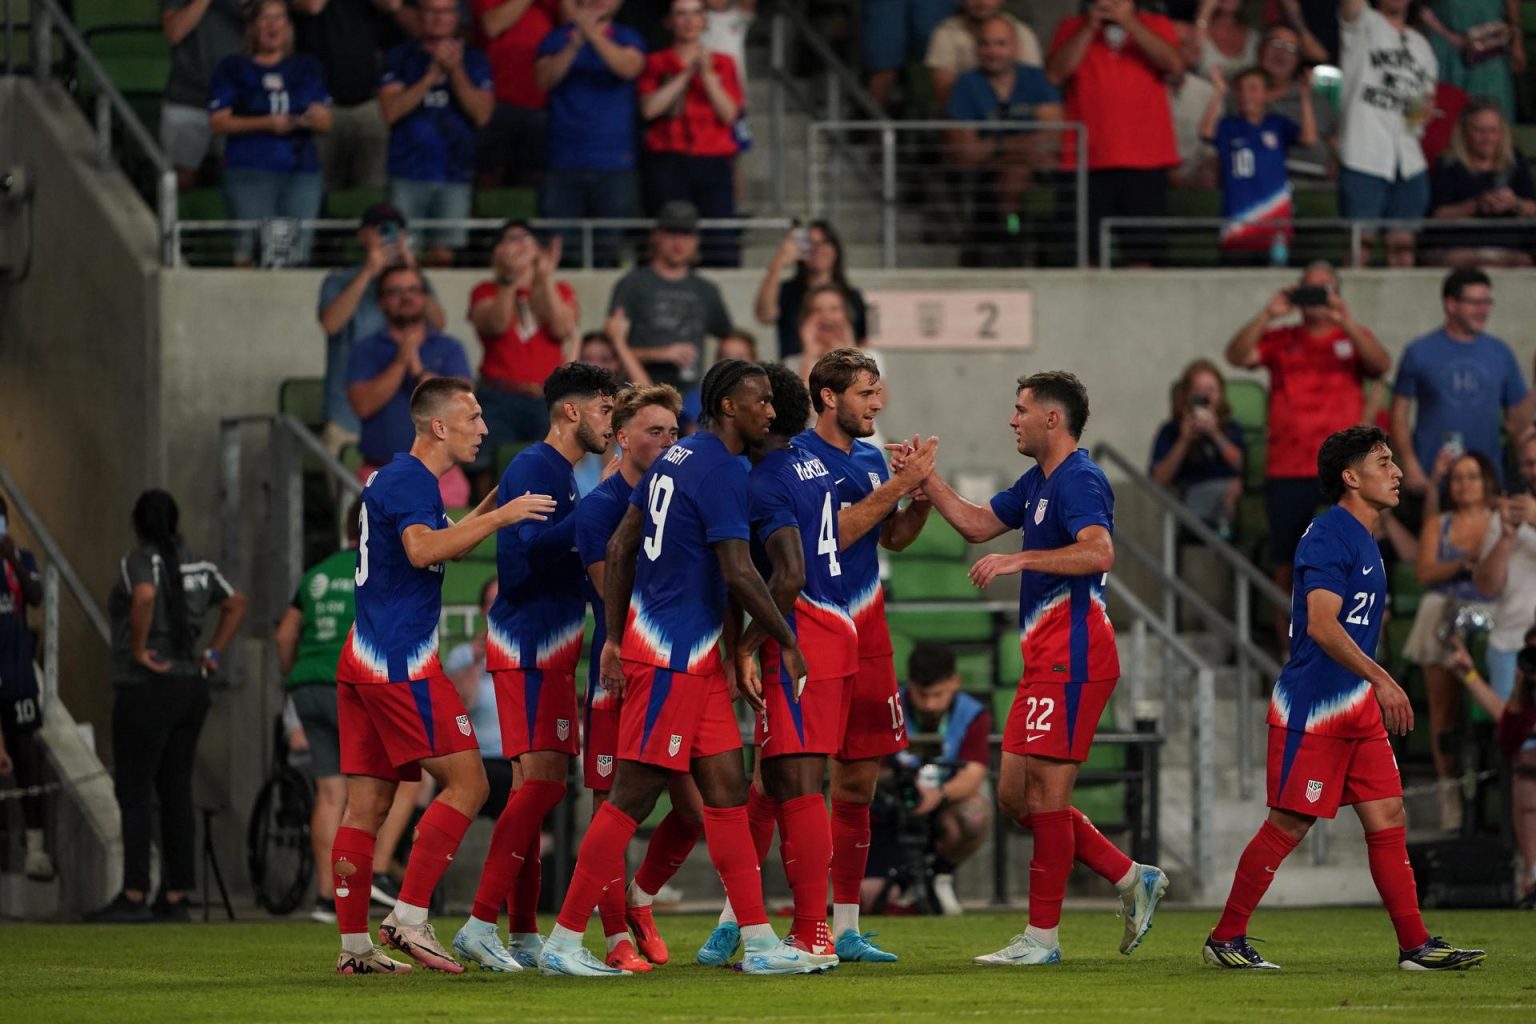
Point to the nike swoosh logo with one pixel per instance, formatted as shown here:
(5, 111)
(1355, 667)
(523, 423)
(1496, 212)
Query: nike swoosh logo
(861, 846)
(1031, 739)
(1366, 571)
(1270, 870)
(840, 480)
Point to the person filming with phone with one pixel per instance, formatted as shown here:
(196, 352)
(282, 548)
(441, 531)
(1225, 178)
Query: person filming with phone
(1199, 452)
(1315, 369)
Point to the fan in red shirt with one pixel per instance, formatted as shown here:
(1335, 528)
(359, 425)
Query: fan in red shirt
(1315, 369)
(511, 145)
(524, 318)
(1111, 63)
(690, 98)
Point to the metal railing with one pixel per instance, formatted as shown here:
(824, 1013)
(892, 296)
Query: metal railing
(948, 193)
(111, 113)
(285, 242)
(1193, 241)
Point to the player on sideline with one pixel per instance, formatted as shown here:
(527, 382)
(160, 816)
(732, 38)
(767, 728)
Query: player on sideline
(1065, 509)
(687, 523)
(533, 642)
(846, 395)
(396, 711)
(645, 426)
(1332, 709)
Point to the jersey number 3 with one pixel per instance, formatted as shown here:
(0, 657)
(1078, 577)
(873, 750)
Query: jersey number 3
(658, 500)
(361, 575)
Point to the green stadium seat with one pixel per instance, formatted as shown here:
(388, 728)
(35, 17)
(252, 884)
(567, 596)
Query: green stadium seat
(1406, 590)
(90, 14)
(349, 203)
(201, 204)
(505, 453)
(931, 579)
(975, 668)
(938, 540)
(352, 457)
(136, 57)
(901, 652)
(1250, 403)
(303, 398)
(462, 582)
(960, 625)
(1102, 802)
(507, 203)
(1010, 660)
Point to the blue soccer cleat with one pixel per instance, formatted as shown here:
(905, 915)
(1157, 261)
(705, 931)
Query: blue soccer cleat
(574, 962)
(720, 948)
(777, 957)
(1022, 951)
(1138, 903)
(479, 943)
(853, 947)
(1438, 955)
(525, 949)
(1235, 954)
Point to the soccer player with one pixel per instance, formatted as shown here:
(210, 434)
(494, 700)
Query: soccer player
(683, 543)
(1065, 508)
(645, 426)
(396, 711)
(532, 644)
(847, 395)
(1332, 710)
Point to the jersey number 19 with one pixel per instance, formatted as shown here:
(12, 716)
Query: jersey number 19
(658, 500)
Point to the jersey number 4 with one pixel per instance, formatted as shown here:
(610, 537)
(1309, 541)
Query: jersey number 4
(826, 537)
(658, 500)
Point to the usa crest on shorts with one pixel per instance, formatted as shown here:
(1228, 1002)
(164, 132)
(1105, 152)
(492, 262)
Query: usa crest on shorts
(604, 765)
(463, 723)
(563, 728)
(674, 745)
(1314, 791)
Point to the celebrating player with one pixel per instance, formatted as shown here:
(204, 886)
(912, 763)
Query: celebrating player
(1332, 709)
(687, 522)
(397, 712)
(1065, 508)
(644, 425)
(532, 645)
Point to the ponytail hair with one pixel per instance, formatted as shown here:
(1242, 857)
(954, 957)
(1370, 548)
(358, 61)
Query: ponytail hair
(155, 520)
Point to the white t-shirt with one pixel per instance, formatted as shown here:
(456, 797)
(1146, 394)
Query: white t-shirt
(953, 48)
(726, 32)
(1515, 611)
(1387, 95)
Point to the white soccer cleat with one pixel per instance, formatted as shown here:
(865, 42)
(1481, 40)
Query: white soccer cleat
(1138, 904)
(782, 958)
(575, 962)
(525, 949)
(375, 961)
(1022, 951)
(479, 943)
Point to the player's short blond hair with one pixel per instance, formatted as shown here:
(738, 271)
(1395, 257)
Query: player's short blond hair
(633, 399)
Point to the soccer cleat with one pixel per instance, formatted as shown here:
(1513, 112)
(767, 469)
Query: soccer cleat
(375, 961)
(855, 948)
(420, 944)
(647, 939)
(624, 957)
(720, 948)
(1236, 954)
(1438, 955)
(525, 949)
(483, 946)
(1022, 951)
(1138, 903)
(782, 958)
(820, 943)
(38, 866)
(577, 962)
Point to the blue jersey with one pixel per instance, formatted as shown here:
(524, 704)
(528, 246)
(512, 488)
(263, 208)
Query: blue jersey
(695, 496)
(1316, 694)
(436, 141)
(540, 608)
(790, 487)
(592, 111)
(248, 89)
(598, 515)
(1255, 187)
(1064, 628)
(394, 637)
(856, 475)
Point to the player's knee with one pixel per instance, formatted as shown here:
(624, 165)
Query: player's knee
(474, 789)
(1013, 802)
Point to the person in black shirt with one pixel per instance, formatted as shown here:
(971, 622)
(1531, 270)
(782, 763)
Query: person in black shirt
(1482, 175)
(21, 710)
(160, 692)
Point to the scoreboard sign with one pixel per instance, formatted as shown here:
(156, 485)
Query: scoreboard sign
(1002, 320)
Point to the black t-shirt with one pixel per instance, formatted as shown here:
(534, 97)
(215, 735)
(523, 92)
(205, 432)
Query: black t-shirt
(1451, 181)
(792, 297)
(349, 37)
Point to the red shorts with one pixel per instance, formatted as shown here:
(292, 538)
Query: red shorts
(876, 725)
(537, 711)
(1056, 720)
(815, 724)
(669, 718)
(387, 728)
(600, 747)
(1315, 775)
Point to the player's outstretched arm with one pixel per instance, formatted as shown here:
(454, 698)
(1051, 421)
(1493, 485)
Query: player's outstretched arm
(913, 462)
(976, 523)
(1323, 627)
(425, 546)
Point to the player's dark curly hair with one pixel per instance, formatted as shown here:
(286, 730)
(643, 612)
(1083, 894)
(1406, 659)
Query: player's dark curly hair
(578, 379)
(791, 402)
(1345, 450)
(1065, 390)
(720, 382)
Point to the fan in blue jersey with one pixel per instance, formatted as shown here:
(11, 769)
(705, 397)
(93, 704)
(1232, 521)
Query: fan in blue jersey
(1250, 147)
(680, 548)
(533, 642)
(396, 711)
(1331, 713)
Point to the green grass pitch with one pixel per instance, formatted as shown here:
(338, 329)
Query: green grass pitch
(1338, 964)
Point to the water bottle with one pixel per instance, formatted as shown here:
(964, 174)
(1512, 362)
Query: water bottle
(1279, 250)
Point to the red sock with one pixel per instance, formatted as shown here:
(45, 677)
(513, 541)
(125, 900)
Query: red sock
(809, 830)
(1101, 856)
(671, 843)
(1387, 851)
(520, 819)
(599, 864)
(1049, 866)
(523, 907)
(850, 849)
(762, 814)
(611, 909)
(355, 847)
(730, 849)
(1255, 870)
(438, 835)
